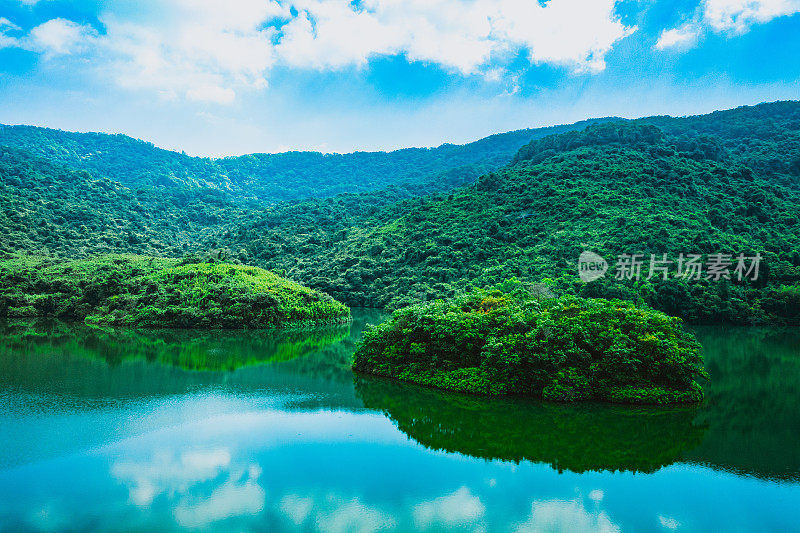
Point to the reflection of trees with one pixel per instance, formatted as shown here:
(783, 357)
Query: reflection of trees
(187, 349)
(576, 437)
(88, 362)
(752, 401)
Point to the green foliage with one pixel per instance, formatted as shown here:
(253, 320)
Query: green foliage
(499, 342)
(625, 187)
(47, 208)
(132, 290)
(418, 224)
(269, 178)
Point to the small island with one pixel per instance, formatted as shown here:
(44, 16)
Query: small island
(509, 341)
(142, 291)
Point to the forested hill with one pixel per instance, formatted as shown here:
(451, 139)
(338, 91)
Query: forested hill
(270, 178)
(615, 188)
(49, 208)
(417, 224)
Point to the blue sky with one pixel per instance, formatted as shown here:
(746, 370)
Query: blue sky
(238, 76)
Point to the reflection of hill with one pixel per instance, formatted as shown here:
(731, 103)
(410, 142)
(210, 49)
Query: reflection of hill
(753, 398)
(87, 362)
(569, 437)
(188, 349)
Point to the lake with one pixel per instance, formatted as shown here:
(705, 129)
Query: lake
(115, 430)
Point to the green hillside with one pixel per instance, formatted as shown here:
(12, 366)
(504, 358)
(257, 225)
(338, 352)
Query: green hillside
(390, 229)
(49, 208)
(129, 290)
(269, 178)
(614, 188)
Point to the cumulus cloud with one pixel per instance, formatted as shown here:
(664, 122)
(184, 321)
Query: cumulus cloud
(60, 37)
(731, 17)
(168, 474)
(207, 50)
(296, 508)
(737, 16)
(680, 38)
(235, 497)
(203, 486)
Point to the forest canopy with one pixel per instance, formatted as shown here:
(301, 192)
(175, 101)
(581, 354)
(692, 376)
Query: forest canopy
(507, 341)
(128, 290)
(393, 229)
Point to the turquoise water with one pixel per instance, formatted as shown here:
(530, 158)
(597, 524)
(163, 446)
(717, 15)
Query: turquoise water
(112, 430)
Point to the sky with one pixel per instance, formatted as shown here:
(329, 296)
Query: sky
(230, 77)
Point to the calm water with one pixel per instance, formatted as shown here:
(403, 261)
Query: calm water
(126, 431)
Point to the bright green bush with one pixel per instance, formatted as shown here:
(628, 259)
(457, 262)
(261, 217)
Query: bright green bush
(507, 341)
(130, 290)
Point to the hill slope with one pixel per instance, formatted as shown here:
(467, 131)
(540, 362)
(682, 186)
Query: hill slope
(269, 177)
(46, 207)
(615, 188)
(153, 292)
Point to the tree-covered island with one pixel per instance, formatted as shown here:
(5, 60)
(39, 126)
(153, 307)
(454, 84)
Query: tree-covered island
(508, 341)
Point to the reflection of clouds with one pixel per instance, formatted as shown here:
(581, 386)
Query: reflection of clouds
(566, 515)
(335, 514)
(169, 475)
(353, 516)
(208, 488)
(459, 508)
(296, 508)
(235, 497)
(596, 495)
(668, 523)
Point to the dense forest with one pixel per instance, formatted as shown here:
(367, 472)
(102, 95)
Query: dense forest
(374, 229)
(507, 341)
(129, 290)
(270, 178)
(613, 188)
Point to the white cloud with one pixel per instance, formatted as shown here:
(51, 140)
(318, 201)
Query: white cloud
(737, 16)
(680, 38)
(60, 37)
(207, 50)
(7, 41)
(200, 51)
(203, 486)
(564, 515)
(732, 17)
(7, 24)
(461, 35)
(457, 509)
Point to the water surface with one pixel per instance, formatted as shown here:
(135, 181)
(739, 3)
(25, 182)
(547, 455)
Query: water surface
(120, 430)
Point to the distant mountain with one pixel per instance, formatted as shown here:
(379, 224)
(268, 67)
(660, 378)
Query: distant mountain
(271, 178)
